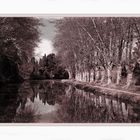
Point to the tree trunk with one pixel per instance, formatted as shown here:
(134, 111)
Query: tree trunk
(86, 76)
(102, 75)
(94, 75)
(129, 79)
(98, 75)
(73, 74)
(78, 76)
(109, 78)
(89, 75)
(119, 71)
(81, 76)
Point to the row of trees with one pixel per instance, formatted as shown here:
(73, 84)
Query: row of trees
(18, 38)
(100, 49)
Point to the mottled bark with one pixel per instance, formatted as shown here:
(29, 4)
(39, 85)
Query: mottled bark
(102, 75)
(119, 71)
(81, 76)
(98, 75)
(130, 79)
(89, 75)
(109, 77)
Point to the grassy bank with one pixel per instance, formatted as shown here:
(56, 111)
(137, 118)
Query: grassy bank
(132, 97)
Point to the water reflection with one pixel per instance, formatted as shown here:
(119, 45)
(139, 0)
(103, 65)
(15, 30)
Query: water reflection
(8, 102)
(83, 107)
(55, 102)
(42, 98)
(90, 108)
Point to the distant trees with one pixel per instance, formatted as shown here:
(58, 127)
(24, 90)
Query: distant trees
(49, 67)
(100, 49)
(18, 38)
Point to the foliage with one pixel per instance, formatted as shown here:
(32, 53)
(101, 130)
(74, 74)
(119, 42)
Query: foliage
(49, 67)
(99, 45)
(18, 38)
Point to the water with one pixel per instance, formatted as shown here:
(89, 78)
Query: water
(55, 102)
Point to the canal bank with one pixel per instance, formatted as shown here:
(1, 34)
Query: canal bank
(110, 92)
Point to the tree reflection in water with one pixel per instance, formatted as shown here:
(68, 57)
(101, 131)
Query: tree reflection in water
(32, 97)
(8, 102)
(84, 107)
(26, 115)
(53, 101)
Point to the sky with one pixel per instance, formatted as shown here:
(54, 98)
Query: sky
(48, 32)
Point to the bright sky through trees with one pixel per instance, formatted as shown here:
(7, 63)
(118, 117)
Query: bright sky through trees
(47, 35)
(44, 47)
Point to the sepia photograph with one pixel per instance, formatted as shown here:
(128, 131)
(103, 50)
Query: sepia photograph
(70, 69)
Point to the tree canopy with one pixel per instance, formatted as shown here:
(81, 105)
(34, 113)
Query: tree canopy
(49, 67)
(18, 38)
(93, 47)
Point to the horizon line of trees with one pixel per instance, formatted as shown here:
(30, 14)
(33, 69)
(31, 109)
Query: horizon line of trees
(48, 67)
(103, 50)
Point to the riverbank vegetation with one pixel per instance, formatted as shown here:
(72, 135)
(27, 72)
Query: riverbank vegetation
(101, 50)
(19, 36)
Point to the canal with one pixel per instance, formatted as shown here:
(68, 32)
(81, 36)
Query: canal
(57, 102)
